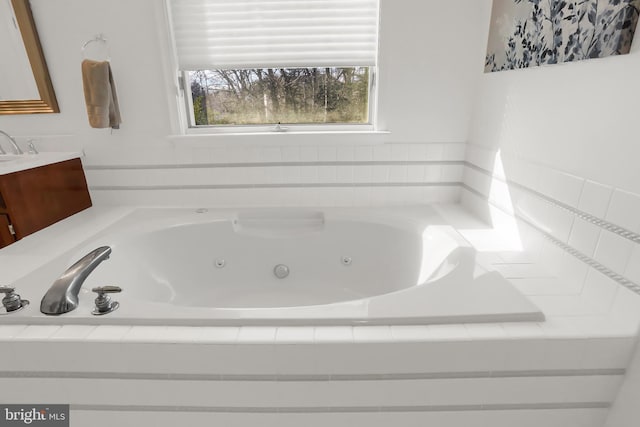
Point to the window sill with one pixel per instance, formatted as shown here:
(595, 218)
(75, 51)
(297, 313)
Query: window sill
(289, 137)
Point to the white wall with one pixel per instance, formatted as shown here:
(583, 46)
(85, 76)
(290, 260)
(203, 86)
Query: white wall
(577, 117)
(437, 110)
(555, 147)
(564, 134)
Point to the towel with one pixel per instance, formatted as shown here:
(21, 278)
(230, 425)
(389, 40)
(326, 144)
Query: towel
(100, 94)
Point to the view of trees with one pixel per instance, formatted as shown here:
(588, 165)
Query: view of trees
(280, 95)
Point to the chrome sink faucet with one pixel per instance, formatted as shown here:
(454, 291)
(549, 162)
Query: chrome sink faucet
(62, 296)
(16, 148)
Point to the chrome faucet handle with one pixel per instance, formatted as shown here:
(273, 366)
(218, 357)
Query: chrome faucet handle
(12, 301)
(107, 289)
(104, 304)
(32, 147)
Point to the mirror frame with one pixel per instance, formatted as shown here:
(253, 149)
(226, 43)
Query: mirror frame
(47, 102)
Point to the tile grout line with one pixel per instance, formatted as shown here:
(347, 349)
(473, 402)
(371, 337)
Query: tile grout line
(273, 186)
(313, 377)
(279, 164)
(344, 409)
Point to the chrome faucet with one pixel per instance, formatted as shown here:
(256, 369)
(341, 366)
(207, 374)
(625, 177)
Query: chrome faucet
(16, 148)
(62, 296)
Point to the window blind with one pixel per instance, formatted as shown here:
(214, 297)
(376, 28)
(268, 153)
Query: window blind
(235, 34)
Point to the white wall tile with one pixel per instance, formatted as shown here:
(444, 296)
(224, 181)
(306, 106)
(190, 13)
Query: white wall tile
(572, 271)
(291, 174)
(382, 152)
(454, 151)
(409, 332)
(546, 286)
(399, 152)
(37, 332)
(432, 173)
(273, 175)
(342, 196)
(309, 154)
(327, 154)
(584, 236)
(380, 173)
(595, 199)
(290, 154)
(569, 189)
(219, 334)
(372, 334)
(448, 332)
(344, 174)
(108, 333)
(486, 331)
(417, 152)
(398, 173)
(345, 154)
(363, 153)
(626, 308)
(624, 210)
(73, 332)
(599, 290)
(452, 173)
(333, 334)
(146, 334)
(9, 331)
(362, 174)
(608, 353)
(257, 334)
(632, 272)
(327, 174)
(309, 174)
(559, 222)
(434, 152)
(295, 334)
(415, 173)
(362, 196)
(613, 251)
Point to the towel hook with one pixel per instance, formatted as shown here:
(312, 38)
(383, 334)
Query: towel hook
(99, 38)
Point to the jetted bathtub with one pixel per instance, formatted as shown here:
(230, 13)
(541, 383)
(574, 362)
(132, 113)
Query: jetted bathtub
(294, 266)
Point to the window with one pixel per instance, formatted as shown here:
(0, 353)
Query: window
(257, 62)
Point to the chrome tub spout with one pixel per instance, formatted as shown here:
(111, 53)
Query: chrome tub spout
(14, 144)
(62, 296)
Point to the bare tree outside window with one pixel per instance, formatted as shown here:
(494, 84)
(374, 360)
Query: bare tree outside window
(280, 95)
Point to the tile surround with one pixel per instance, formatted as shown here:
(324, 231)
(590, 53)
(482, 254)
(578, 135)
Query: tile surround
(364, 175)
(594, 223)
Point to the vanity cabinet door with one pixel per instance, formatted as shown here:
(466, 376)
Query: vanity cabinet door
(36, 198)
(6, 238)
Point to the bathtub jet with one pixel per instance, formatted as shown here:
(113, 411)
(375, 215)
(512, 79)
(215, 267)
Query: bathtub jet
(62, 296)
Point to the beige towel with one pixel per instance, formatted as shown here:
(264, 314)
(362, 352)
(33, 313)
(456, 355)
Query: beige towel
(100, 94)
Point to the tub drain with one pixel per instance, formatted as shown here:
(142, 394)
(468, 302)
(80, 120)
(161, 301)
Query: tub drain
(281, 271)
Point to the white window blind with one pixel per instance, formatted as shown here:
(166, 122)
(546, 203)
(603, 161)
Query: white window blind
(234, 34)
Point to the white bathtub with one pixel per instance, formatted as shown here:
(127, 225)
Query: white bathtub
(345, 266)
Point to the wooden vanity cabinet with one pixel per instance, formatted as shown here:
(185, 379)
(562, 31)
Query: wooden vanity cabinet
(35, 198)
(6, 238)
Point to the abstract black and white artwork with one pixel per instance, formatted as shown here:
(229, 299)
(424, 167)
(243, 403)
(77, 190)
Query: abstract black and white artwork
(527, 33)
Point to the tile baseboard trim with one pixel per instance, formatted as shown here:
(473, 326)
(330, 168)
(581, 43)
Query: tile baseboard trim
(349, 409)
(314, 378)
(274, 186)
(278, 164)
